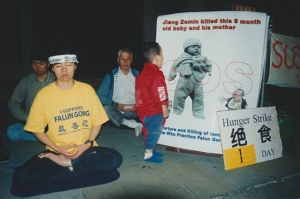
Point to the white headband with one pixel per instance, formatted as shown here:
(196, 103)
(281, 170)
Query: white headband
(62, 58)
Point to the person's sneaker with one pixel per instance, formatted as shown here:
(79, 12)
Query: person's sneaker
(154, 159)
(4, 155)
(157, 154)
(138, 130)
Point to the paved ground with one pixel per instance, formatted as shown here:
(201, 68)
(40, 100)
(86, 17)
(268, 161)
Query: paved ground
(180, 176)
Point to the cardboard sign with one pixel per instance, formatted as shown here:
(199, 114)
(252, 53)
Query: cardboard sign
(249, 136)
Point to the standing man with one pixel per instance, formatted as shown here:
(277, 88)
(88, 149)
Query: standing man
(117, 93)
(25, 92)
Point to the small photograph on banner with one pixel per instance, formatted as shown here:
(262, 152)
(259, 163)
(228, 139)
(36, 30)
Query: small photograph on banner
(249, 136)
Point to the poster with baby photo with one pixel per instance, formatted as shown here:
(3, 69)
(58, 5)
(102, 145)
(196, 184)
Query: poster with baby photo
(213, 61)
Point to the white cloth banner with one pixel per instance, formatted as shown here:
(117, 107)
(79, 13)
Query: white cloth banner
(207, 57)
(249, 136)
(285, 61)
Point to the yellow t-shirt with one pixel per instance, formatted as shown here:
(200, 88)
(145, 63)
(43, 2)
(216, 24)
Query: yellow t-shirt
(70, 115)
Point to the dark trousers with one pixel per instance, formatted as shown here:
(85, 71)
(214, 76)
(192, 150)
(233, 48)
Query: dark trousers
(41, 175)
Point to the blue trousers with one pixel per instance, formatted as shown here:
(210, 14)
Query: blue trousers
(116, 116)
(16, 133)
(44, 173)
(152, 128)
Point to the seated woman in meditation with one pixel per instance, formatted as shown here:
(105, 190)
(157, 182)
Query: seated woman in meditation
(73, 114)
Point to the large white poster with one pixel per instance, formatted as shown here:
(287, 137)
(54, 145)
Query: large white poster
(208, 56)
(285, 61)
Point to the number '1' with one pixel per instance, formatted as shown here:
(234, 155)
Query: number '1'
(241, 156)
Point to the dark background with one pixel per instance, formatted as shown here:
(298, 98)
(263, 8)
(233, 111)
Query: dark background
(95, 30)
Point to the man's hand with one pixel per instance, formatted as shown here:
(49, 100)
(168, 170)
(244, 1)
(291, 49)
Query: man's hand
(126, 107)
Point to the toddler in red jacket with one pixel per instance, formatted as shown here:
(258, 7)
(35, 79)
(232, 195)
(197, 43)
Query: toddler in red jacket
(152, 99)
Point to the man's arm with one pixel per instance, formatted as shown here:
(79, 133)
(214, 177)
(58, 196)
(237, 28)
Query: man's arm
(15, 103)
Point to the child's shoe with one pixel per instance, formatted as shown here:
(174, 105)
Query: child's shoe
(157, 154)
(154, 159)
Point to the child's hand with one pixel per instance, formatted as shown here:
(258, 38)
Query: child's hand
(165, 111)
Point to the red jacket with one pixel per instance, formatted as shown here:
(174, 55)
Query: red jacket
(150, 91)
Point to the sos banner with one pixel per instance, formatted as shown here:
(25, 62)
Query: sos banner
(249, 136)
(212, 61)
(285, 61)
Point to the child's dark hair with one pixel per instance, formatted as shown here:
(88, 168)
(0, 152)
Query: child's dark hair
(150, 49)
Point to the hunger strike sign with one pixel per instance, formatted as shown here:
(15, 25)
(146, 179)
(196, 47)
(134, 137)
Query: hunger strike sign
(249, 136)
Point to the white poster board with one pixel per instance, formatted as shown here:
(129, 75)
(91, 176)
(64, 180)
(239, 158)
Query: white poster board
(234, 43)
(249, 136)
